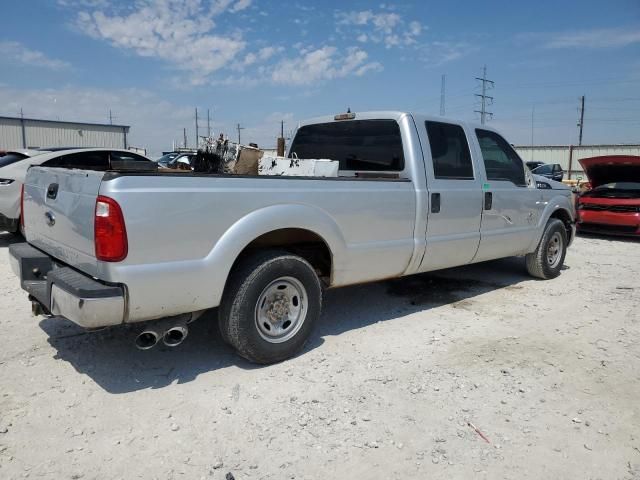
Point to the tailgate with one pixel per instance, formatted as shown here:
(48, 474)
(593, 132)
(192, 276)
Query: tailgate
(59, 209)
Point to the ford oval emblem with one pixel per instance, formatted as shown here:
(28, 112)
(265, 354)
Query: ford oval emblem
(51, 219)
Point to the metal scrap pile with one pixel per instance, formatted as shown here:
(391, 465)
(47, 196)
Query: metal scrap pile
(223, 156)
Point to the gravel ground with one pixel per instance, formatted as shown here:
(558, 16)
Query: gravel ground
(391, 385)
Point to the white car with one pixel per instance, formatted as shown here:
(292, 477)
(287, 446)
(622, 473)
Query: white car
(14, 166)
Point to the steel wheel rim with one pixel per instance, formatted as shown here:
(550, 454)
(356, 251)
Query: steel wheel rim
(554, 250)
(281, 310)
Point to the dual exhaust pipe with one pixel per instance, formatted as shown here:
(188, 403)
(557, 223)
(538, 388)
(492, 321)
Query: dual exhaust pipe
(172, 337)
(172, 331)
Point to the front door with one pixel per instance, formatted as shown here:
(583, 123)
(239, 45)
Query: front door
(511, 204)
(455, 197)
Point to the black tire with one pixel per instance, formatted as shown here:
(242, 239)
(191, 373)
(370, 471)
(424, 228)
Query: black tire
(539, 264)
(248, 282)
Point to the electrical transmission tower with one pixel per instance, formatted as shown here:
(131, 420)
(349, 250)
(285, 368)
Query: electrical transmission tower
(485, 100)
(239, 128)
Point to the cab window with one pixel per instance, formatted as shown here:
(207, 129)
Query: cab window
(365, 145)
(449, 151)
(501, 162)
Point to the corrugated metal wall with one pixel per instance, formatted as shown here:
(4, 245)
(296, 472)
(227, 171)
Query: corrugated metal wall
(10, 134)
(43, 133)
(560, 154)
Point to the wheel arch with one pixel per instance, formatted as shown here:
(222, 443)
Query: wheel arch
(305, 230)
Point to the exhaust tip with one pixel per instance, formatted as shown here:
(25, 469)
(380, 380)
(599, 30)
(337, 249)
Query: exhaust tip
(175, 336)
(146, 340)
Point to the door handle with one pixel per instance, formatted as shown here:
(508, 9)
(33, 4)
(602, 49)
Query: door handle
(52, 191)
(435, 203)
(488, 200)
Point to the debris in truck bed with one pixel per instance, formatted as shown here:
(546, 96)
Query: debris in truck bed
(222, 156)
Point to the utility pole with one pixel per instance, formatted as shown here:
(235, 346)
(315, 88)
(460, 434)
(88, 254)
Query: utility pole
(280, 147)
(533, 113)
(239, 129)
(442, 87)
(485, 99)
(184, 131)
(110, 118)
(581, 121)
(197, 132)
(208, 124)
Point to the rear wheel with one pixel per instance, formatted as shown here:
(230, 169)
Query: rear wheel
(547, 260)
(270, 305)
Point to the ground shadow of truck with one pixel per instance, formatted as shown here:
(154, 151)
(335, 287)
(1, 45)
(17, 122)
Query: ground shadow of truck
(110, 359)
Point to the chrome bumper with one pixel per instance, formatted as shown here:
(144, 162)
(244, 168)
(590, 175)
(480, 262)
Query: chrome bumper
(87, 312)
(65, 292)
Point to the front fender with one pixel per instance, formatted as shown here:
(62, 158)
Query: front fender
(554, 203)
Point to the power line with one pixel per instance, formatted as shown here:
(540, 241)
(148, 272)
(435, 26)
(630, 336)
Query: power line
(484, 98)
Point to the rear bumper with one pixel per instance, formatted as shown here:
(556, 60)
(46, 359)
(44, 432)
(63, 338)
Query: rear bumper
(65, 292)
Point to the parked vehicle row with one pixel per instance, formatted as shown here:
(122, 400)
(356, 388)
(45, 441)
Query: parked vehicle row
(414, 194)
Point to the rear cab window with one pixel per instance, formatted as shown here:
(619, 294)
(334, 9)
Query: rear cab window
(81, 160)
(359, 145)
(11, 158)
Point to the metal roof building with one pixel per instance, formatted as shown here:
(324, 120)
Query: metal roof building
(18, 132)
(568, 155)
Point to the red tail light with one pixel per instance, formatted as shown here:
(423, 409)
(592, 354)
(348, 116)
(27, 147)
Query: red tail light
(110, 232)
(22, 207)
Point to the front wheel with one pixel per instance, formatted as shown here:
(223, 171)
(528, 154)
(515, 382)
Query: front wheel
(270, 305)
(547, 260)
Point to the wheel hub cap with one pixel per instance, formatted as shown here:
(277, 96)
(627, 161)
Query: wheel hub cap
(281, 309)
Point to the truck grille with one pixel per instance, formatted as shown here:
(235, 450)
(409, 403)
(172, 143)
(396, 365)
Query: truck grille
(604, 228)
(610, 208)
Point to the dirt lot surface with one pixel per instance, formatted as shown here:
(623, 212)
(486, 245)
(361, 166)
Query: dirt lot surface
(390, 386)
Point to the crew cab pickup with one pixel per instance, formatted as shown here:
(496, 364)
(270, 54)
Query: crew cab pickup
(414, 194)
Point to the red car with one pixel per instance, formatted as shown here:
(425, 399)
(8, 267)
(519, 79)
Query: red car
(612, 205)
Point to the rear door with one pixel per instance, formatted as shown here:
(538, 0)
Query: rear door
(454, 185)
(511, 204)
(59, 208)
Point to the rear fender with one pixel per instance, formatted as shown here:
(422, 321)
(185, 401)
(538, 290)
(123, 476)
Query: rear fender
(268, 219)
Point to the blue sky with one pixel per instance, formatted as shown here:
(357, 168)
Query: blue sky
(256, 62)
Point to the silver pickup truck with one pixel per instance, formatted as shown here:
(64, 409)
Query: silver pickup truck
(414, 194)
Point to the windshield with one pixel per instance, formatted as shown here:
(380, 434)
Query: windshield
(11, 158)
(619, 186)
(167, 158)
(543, 169)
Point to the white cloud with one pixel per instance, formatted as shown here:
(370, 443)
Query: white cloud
(15, 52)
(597, 38)
(322, 64)
(176, 31)
(440, 52)
(241, 5)
(388, 28)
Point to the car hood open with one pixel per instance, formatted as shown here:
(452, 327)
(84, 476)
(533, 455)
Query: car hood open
(611, 168)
